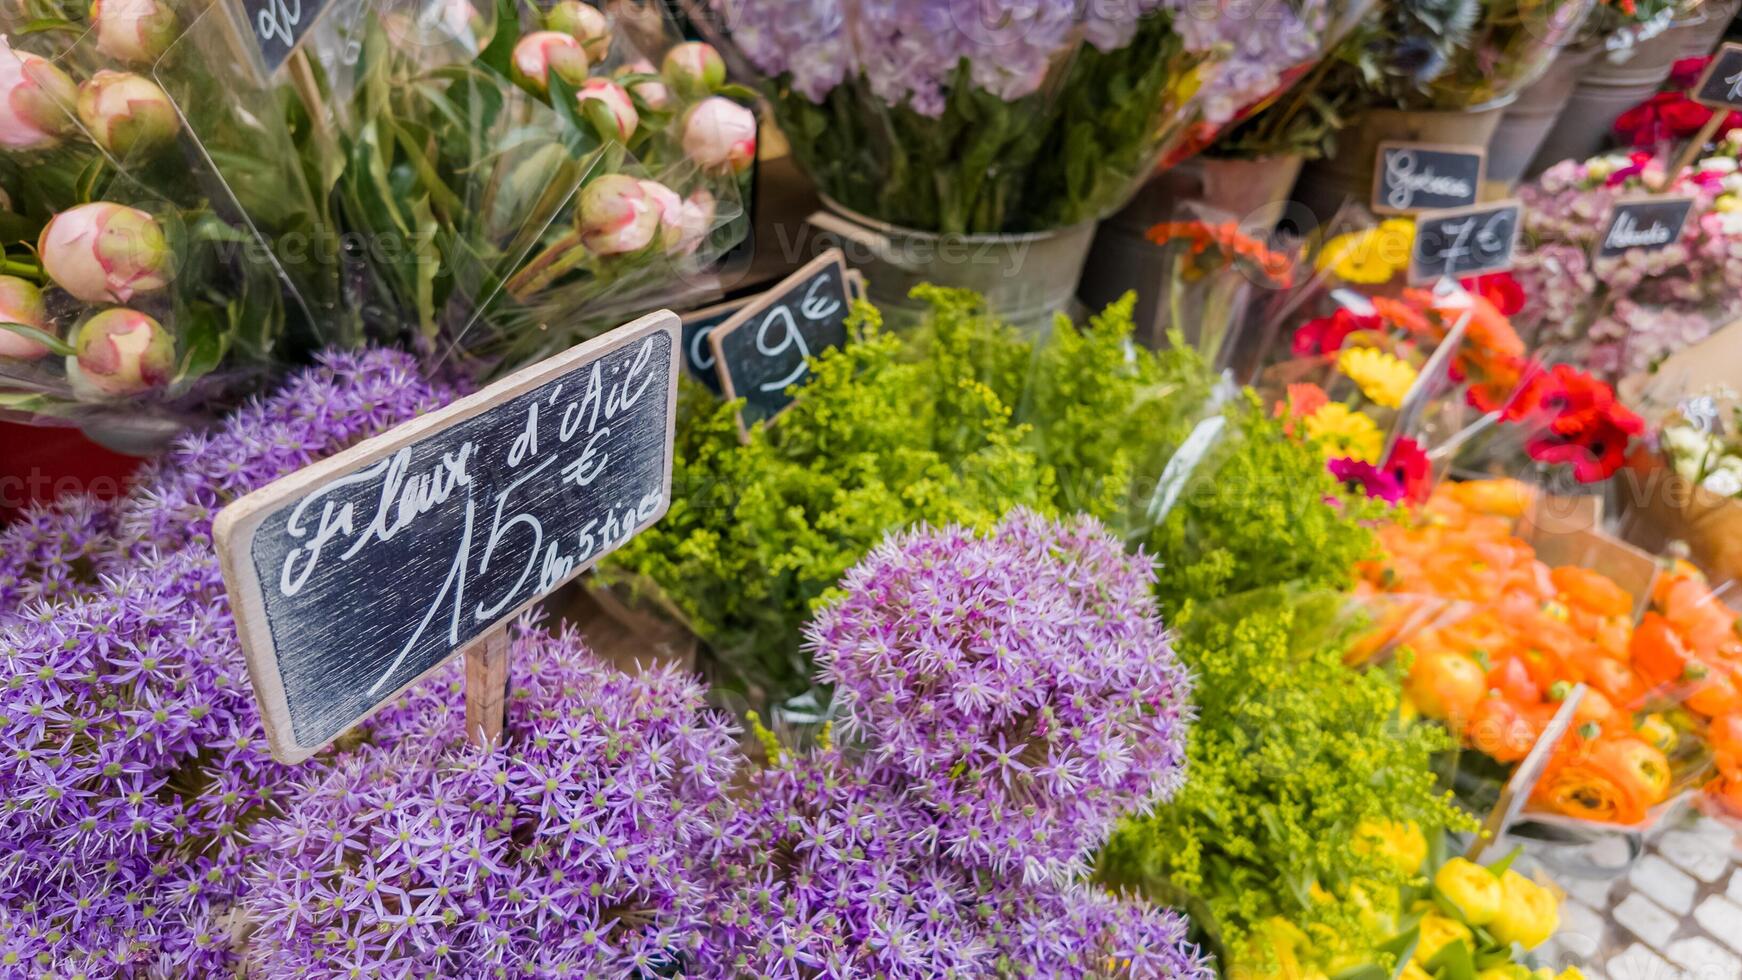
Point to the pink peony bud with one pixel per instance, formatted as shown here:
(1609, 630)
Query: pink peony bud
(121, 352)
(719, 134)
(652, 91)
(616, 102)
(584, 23)
(36, 101)
(136, 31)
(670, 209)
(127, 113)
(694, 68)
(696, 220)
(542, 52)
(21, 302)
(105, 253)
(617, 215)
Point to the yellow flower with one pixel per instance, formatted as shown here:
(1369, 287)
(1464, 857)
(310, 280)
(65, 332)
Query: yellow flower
(1341, 431)
(1505, 971)
(1529, 913)
(1657, 732)
(1472, 889)
(1727, 204)
(1372, 256)
(1382, 376)
(1437, 931)
(1400, 844)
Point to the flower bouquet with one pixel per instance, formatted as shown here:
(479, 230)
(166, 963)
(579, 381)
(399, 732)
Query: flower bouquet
(1211, 269)
(1509, 46)
(512, 183)
(162, 250)
(954, 118)
(1654, 682)
(1620, 314)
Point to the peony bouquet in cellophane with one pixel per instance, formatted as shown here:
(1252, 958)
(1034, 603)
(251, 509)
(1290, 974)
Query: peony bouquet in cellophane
(512, 179)
(162, 251)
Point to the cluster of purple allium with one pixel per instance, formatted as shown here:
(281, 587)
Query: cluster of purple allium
(1021, 683)
(560, 853)
(132, 758)
(1004, 699)
(823, 869)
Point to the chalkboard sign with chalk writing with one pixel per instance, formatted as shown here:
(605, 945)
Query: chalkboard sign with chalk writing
(354, 577)
(763, 349)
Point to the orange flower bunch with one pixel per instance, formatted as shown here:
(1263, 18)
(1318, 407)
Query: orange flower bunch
(1231, 245)
(1492, 355)
(1500, 674)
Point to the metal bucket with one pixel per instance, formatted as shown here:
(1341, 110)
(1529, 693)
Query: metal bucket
(1025, 278)
(1603, 92)
(1326, 185)
(1706, 28)
(1527, 122)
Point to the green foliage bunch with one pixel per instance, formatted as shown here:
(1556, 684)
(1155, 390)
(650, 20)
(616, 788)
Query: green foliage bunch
(1291, 750)
(955, 423)
(1261, 510)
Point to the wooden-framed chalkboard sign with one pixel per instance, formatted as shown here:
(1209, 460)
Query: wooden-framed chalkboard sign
(355, 577)
(1412, 177)
(1721, 86)
(698, 354)
(1643, 222)
(1464, 242)
(762, 351)
(279, 26)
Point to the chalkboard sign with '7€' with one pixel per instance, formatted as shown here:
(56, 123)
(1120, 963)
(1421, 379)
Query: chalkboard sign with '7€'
(355, 577)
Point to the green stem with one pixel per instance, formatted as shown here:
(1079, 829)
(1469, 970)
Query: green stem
(562, 255)
(29, 270)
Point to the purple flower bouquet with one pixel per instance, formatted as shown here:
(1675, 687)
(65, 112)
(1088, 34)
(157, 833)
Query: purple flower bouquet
(955, 116)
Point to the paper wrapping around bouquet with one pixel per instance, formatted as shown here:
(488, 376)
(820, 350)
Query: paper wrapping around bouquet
(1667, 507)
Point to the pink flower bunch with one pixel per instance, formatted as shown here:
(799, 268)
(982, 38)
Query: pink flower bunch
(1623, 312)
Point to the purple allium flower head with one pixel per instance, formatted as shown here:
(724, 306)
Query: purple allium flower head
(1021, 682)
(132, 758)
(560, 852)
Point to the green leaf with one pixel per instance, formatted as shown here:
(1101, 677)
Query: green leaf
(42, 25)
(1453, 962)
(205, 338)
(499, 52)
(43, 337)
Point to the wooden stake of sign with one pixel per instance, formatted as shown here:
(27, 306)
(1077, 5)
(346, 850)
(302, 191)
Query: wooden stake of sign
(354, 578)
(1524, 778)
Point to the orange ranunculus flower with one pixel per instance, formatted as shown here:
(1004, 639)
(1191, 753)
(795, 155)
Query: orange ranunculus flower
(1501, 498)
(1715, 691)
(1657, 651)
(1445, 685)
(1591, 591)
(1612, 779)
(1616, 680)
(1503, 730)
(1512, 679)
(1725, 735)
(1727, 790)
(1595, 708)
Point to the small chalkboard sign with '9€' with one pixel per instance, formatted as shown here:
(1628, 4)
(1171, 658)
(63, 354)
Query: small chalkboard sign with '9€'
(355, 577)
(1412, 177)
(763, 350)
(1463, 242)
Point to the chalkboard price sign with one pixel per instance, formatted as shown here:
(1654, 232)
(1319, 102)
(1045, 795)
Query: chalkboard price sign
(1464, 242)
(1644, 223)
(698, 354)
(279, 25)
(763, 349)
(1412, 177)
(1721, 85)
(355, 577)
